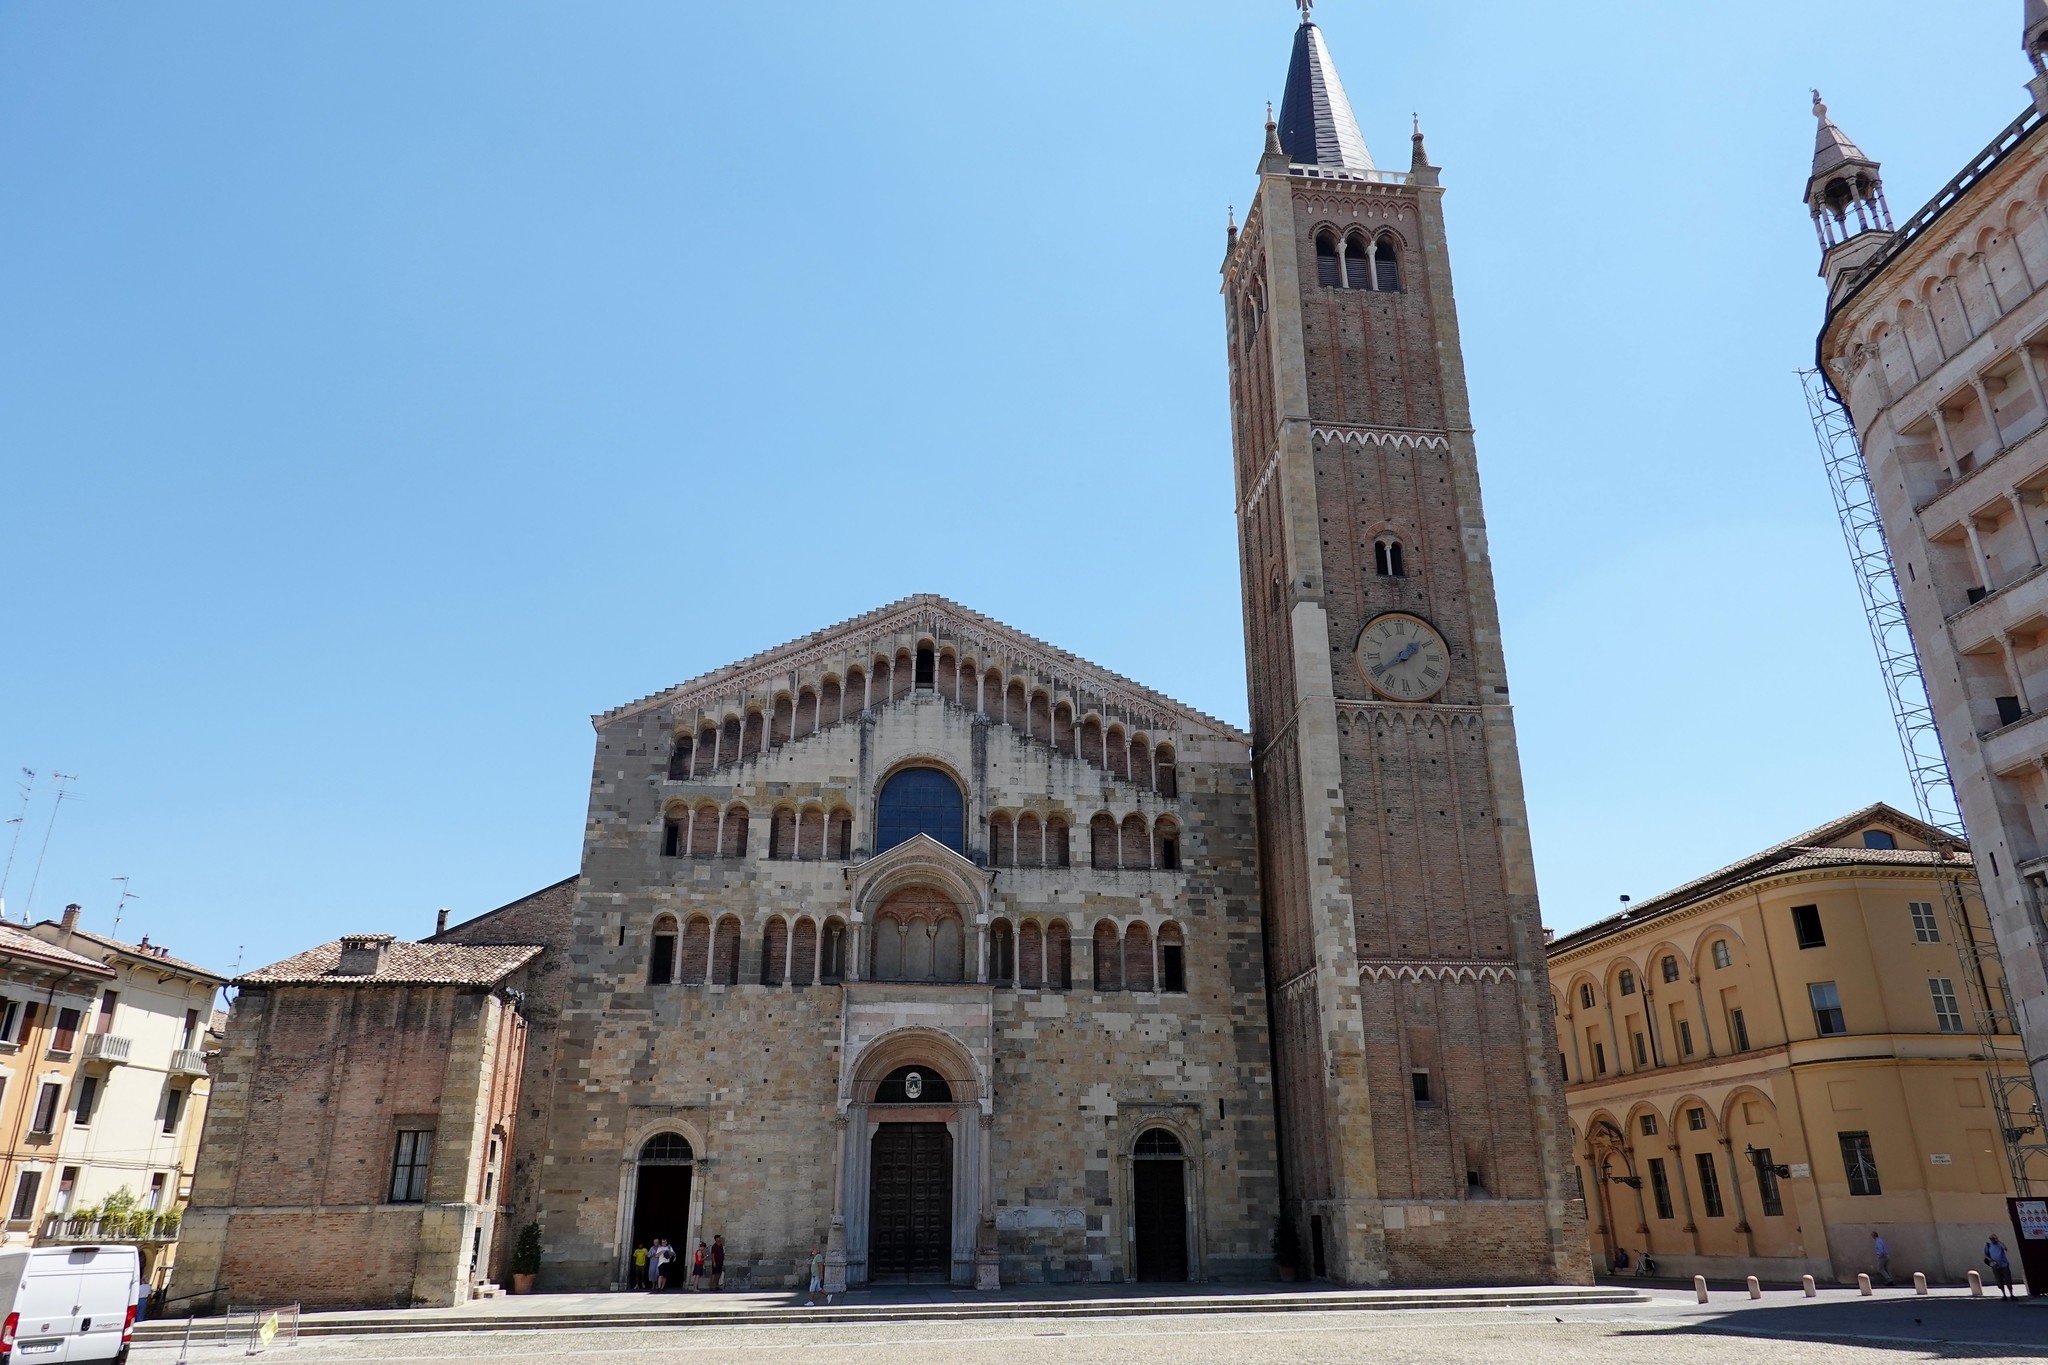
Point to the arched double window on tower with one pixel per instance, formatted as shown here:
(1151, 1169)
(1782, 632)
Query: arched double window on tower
(1388, 559)
(1359, 262)
(920, 801)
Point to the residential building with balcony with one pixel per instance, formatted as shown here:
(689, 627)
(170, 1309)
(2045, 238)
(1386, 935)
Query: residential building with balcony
(1936, 341)
(1769, 1064)
(126, 1135)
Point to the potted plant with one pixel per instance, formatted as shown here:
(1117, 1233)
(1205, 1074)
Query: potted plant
(1286, 1247)
(526, 1259)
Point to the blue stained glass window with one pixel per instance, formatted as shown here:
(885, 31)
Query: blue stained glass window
(921, 801)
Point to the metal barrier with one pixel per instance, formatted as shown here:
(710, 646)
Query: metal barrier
(260, 1326)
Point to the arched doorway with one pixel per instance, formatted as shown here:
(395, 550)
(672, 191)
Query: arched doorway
(910, 1190)
(661, 1200)
(1159, 1214)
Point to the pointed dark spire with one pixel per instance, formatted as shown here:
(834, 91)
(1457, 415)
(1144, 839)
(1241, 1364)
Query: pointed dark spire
(1317, 127)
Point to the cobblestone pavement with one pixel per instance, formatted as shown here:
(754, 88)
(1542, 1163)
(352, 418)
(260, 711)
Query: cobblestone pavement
(1671, 1330)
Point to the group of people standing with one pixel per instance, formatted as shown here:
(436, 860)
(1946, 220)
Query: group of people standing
(654, 1265)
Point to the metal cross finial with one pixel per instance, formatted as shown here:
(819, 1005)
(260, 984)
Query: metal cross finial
(1306, 6)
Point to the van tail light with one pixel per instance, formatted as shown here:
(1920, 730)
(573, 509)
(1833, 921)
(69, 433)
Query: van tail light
(7, 1332)
(128, 1326)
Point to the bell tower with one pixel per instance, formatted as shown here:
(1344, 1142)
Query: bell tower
(1420, 1099)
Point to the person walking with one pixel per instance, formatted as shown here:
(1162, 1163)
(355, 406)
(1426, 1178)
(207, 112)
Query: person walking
(639, 1267)
(699, 1268)
(817, 1277)
(1883, 1251)
(717, 1263)
(658, 1258)
(2001, 1265)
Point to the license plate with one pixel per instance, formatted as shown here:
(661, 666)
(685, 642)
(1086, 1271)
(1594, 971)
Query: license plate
(37, 1348)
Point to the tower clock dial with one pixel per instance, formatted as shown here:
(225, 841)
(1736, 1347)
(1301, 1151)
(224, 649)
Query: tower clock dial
(1403, 658)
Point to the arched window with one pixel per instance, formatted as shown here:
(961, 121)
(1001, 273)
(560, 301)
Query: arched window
(1109, 958)
(918, 936)
(878, 684)
(947, 679)
(675, 832)
(734, 843)
(913, 1085)
(774, 953)
(1357, 269)
(1016, 709)
(829, 703)
(679, 759)
(1387, 558)
(1102, 842)
(803, 951)
(1031, 956)
(783, 724)
(729, 742)
(725, 953)
(1173, 967)
(1091, 741)
(1387, 263)
(1329, 273)
(661, 961)
(782, 835)
(666, 1149)
(832, 954)
(1002, 954)
(1059, 957)
(696, 951)
(920, 801)
(1119, 752)
(1141, 762)
(1002, 846)
(1158, 1145)
(1137, 843)
(905, 676)
(1063, 728)
(1057, 852)
(1041, 716)
(840, 836)
(750, 738)
(806, 713)
(1168, 776)
(1166, 846)
(1030, 841)
(1138, 958)
(856, 691)
(927, 675)
(1670, 969)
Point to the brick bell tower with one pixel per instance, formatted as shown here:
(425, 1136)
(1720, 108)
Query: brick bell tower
(1421, 1107)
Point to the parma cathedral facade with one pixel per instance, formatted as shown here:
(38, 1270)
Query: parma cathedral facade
(930, 945)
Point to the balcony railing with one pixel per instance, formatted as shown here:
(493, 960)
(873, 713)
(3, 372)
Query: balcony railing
(111, 1227)
(188, 1061)
(105, 1047)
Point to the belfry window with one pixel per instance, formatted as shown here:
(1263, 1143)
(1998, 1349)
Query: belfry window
(1329, 270)
(927, 665)
(1357, 266)
(1386, 266)
(920, 801)
(1387, 558)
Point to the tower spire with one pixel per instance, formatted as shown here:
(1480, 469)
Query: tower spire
(1317, 127)
(1845, 194)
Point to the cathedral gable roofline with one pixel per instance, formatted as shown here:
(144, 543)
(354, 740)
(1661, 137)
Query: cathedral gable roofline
(926, 613)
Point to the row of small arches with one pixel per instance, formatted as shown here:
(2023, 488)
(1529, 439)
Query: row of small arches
(1716, 950)
(1030, 710)
(792, 953)
(1358, 261)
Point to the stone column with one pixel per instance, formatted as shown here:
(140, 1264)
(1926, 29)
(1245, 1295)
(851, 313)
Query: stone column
(835, 1236)
(1741, 1205)
(988, 1265)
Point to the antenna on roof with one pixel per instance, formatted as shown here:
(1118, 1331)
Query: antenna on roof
(126, 896)
(27, 790)
(28, 906)
(1624, 905)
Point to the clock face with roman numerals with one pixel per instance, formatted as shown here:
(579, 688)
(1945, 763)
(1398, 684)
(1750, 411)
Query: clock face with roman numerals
(1403, 658)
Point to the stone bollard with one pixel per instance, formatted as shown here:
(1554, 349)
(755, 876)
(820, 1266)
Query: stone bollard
(1806, 1286)
(1920, 1284)
(1756, 1291)
(1699, 1287)
(1976, 1285)
(1863, 1285)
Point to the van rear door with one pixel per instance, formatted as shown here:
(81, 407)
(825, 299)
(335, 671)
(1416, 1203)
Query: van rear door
(48, 1305)
(106, 1291)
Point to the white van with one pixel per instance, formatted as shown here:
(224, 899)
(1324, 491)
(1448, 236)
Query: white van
(67, 1304)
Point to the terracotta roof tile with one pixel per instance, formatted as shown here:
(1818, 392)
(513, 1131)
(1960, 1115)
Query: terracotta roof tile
(405, 964)
(21, 943)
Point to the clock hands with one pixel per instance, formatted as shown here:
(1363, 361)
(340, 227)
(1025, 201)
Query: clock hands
(1407, 653)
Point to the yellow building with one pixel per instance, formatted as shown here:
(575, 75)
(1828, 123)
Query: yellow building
(1769, 1064)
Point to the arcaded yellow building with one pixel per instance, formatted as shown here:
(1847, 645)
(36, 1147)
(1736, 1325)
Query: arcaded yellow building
(1769, 1064)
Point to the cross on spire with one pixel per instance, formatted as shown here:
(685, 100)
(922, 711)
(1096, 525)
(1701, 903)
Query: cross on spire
(1306, 6)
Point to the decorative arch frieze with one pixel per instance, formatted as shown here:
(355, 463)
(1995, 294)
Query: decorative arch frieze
(1404, 970)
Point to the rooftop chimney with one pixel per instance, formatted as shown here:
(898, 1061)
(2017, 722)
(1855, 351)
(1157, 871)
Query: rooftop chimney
(441, 921)
(69, 923)
(363, 954)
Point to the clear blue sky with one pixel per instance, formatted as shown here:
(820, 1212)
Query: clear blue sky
(385, 388)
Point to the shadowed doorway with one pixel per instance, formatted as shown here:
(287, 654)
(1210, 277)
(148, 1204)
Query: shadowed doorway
(910, 1203)
(1159, 1191)
(661, 1202)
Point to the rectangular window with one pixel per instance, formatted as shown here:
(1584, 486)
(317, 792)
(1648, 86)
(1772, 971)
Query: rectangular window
(1660, 1186)
(1169, 854)
(1710, 1183)
(1722, 956)
(671, 838)
(10, 1019)
(1948, 1016)
(1926, 929)
(1859, 1164)
(1738, 1030)
(661, 968)
(191, 1034)
(409, 1166)
(106, 1019)
(67, 1185)
(82, 1097)
(1173, 971)
(1642, 1050)
(1418, 1081)
(1696, 1119)
(1685, 1037)
(157, 1185)
(174, 1105)
(1648, 1123)
(1806, 926)
(25, 1191)
(1827, 1009)
(1767, 1184)
(1599, 1059)
(46, 1108)
(67, 1031)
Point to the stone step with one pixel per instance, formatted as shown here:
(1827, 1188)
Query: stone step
(209, 1331)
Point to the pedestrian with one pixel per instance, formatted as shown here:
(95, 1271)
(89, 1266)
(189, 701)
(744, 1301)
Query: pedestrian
(2001, 1265)
(817, 1278)
(699, 1268)
(639, 1267)
(717, 1263)
(1882, 1250)
(657, 1260)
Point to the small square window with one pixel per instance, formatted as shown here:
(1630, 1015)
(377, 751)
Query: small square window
(1806, 926)
(1696, 1120)
(1418, 1080)
(1926, 929)
(1648, 1123)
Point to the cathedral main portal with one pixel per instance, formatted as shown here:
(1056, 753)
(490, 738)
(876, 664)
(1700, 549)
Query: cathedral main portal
(910, 1205)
